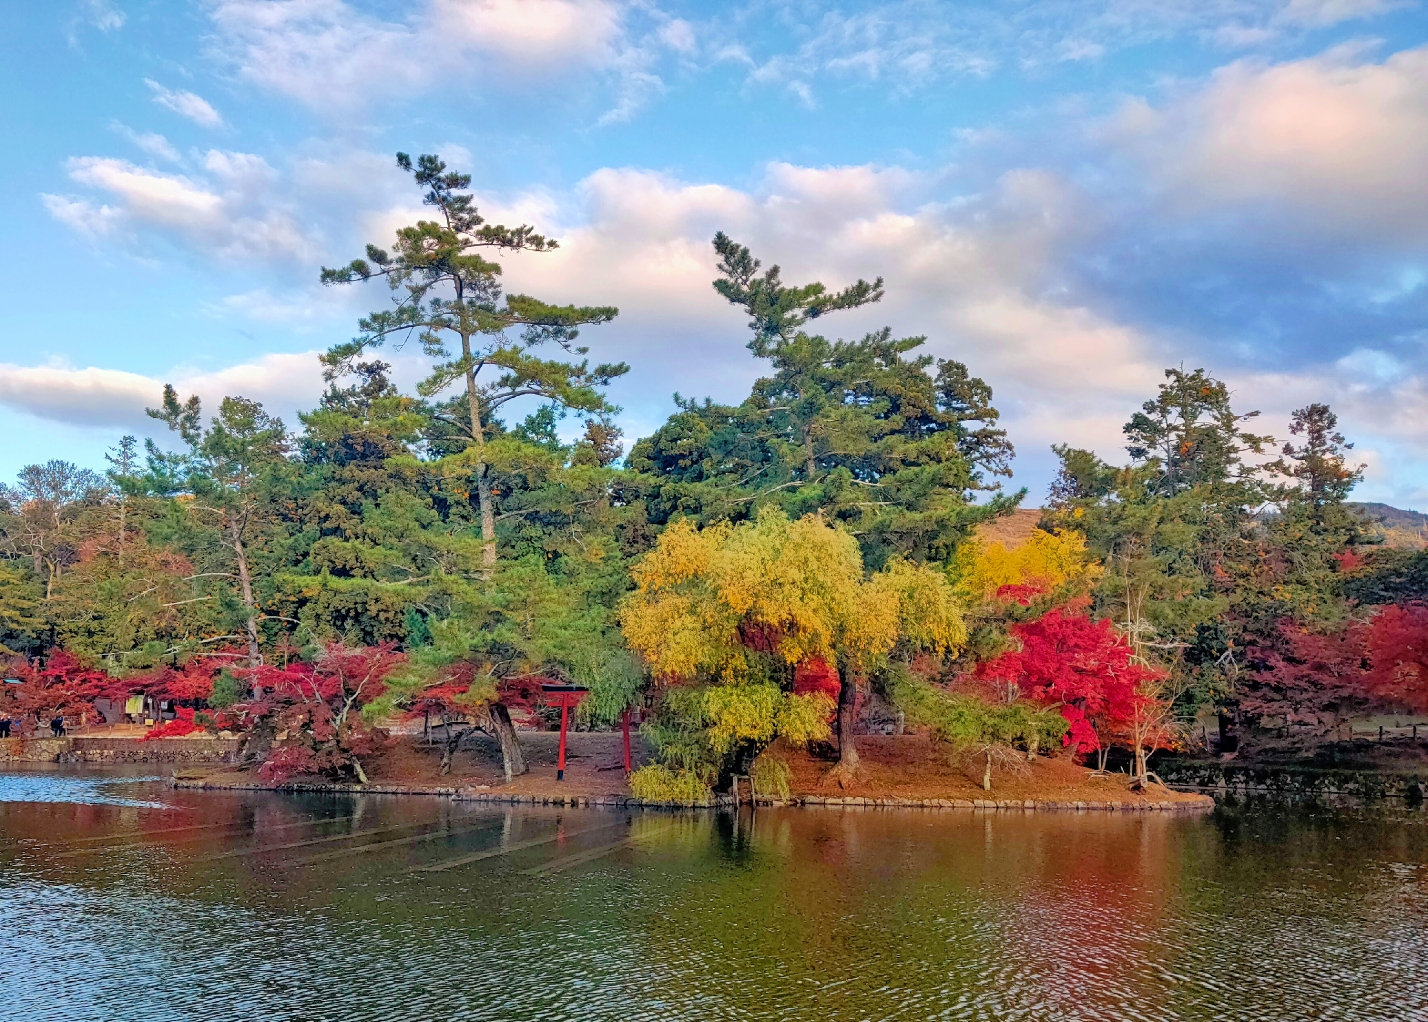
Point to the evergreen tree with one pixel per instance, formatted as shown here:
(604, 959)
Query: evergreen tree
(855, 429)
(229, 470)
(446, 289)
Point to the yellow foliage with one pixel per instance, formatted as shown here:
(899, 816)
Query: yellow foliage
(1049, 560)
(739, 713)
(658, 783)
(800, 583)
(804, 718)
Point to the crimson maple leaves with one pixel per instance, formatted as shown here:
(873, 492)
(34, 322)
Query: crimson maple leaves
(1323, 678)
(1089, 671)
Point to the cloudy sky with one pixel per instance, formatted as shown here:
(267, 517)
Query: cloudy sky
(1067, 195)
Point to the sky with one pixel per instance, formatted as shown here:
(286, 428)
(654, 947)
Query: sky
(1068, 196)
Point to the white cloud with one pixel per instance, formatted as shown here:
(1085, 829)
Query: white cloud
(81, 216)
(150, 142)
(679, 36)
(234, 214)
(971, 276)
(104, 15)
(317, 306)
(1320, 13)
(185, 104)
(1329, 142)
(328, 55)
(99, 398)
(637, 88)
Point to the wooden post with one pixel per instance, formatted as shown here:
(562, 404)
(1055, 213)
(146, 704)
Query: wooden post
(564, 719)
(625, 728)
(1380, 732)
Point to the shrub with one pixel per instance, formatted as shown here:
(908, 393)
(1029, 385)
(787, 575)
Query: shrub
(769, 775)
(658, 783)
(227, 690)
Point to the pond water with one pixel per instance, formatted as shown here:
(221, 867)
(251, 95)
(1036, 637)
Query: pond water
(122, 899)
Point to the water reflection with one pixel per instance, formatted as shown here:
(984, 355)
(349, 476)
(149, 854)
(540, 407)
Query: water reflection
(256, 905)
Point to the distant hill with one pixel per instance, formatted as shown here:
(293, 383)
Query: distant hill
(1401, 528)
(1013, 530)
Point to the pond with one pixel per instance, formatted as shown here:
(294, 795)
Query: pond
(122, 899)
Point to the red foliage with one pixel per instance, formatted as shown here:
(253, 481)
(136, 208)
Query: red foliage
(1022, 593)
(1307, 677)
(182, 724)
(521, 694)
(447, 697)
(1083, 665)
(1349, 560)
(1397, 641)
(315, 709)
(817, 675)
(63, 686)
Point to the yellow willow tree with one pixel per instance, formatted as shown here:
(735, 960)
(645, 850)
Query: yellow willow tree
(706, 599)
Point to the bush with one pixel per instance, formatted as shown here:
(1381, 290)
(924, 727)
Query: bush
(657, 783)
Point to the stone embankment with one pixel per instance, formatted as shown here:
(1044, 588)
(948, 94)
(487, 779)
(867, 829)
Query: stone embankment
(1296, 782)
(1181, 803)
(96, 750)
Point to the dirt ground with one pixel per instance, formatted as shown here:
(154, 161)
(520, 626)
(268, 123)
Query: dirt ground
(914, 766)
(906, 766)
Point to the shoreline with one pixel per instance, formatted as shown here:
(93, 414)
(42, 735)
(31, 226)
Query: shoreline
(1189, 802)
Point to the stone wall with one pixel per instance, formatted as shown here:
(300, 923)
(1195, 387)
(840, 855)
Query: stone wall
(33, 750)
(119, 750)
(1293, 783)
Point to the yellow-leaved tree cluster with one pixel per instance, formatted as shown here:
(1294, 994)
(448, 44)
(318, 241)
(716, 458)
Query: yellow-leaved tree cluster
(724, 615)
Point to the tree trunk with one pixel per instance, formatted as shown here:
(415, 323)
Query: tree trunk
(987, 773)
(1140, 765)
(511, 756)
(847, 765)
(245, 582)
(478, 437)
(123, 506)
(488, 516)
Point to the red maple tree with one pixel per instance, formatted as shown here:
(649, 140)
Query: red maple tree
(314, 711)
(1397, 649)
(1087, 668)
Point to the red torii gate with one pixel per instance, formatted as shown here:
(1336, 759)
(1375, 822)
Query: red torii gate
(567, 697)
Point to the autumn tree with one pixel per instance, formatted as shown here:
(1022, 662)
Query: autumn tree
(707, 601)
(1091, 673)
(314, 711)
(447, 291)
(39, 516)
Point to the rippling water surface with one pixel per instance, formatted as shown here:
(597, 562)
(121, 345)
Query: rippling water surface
(122, 899)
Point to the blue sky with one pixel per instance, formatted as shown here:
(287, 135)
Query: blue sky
(1067, 196)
